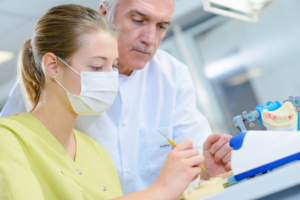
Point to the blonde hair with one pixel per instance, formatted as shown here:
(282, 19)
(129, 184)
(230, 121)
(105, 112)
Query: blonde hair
(59, 31)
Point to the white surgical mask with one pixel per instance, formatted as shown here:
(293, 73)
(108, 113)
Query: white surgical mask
(98, 92)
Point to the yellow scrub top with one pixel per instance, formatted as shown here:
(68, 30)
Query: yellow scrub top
(35, 166)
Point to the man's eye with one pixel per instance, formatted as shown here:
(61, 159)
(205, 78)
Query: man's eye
(162, 27)
(138, 21)
(97, 68)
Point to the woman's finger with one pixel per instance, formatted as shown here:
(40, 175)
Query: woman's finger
(185, 145)
(196, 161)
(190, 153)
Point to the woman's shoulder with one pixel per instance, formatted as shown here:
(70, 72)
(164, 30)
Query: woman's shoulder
(15, 120)
(12, 128)
(21, 125)
(23, 120)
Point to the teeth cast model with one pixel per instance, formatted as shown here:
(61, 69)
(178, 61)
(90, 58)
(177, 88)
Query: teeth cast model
(212, 186)
(282, 119)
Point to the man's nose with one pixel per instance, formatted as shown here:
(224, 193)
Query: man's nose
(149, 35)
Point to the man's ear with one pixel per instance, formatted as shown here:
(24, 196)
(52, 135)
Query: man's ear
(50, 65)
(103, 10)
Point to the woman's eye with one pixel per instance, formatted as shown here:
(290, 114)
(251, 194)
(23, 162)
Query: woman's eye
(115, 67)
(97, 68)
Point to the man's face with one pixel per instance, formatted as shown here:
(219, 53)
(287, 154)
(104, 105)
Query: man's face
(142, 26)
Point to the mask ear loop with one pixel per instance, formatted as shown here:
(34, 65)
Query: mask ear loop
(71, 69)
(61, 85)
(68, 65)
(64, 88)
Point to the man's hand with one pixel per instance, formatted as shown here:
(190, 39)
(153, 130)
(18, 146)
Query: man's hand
(217, 153)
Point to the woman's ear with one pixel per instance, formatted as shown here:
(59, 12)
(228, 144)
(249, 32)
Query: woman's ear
(50, 65)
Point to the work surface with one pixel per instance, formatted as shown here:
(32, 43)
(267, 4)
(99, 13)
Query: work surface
(281, 183)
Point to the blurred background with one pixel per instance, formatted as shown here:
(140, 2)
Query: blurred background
(235, 65)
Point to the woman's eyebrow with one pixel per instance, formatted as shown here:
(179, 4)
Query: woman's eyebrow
(104, 58)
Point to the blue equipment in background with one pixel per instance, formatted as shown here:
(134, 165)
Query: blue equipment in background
(248, 118)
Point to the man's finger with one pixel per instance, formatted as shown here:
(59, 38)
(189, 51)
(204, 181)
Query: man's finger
(210, 141)
(227, 158)
(225, 149)
(218, 144)
(185, 145)
(228, 166)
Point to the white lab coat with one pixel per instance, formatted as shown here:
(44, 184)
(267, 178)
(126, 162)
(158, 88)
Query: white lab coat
(159, 97)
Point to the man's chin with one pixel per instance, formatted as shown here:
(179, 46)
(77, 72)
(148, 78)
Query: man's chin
(137, 64)
(138, 67)
(127, 67)
(132, 61)
(137, 60)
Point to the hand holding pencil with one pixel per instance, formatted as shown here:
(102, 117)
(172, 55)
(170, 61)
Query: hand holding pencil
(182, 166)
(175, 145)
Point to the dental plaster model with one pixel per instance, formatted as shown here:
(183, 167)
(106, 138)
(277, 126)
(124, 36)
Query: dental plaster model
(282, 119)
(212, 186)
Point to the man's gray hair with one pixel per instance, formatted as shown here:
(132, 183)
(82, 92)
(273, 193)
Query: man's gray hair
(111, 6)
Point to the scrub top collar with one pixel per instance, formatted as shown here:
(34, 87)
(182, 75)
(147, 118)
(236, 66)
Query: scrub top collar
(47, 136)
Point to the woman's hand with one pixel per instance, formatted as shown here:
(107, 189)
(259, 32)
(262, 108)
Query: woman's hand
(182, 166)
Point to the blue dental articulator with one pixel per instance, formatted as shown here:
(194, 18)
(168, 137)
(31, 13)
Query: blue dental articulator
(257, 152)
(248, 118)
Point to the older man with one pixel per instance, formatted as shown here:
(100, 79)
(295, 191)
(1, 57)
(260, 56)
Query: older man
(156, 93)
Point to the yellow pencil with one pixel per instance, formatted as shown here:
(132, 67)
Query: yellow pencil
(175, 145)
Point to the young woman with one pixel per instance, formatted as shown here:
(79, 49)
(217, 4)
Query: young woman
(68, 68)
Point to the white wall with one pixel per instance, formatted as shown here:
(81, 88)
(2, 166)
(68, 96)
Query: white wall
(272, 45)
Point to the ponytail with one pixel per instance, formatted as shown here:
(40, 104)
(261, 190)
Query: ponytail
(32, 76)
(60, 31)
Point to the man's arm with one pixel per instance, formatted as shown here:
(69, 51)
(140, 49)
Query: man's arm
(15, 103)
(188, 122)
